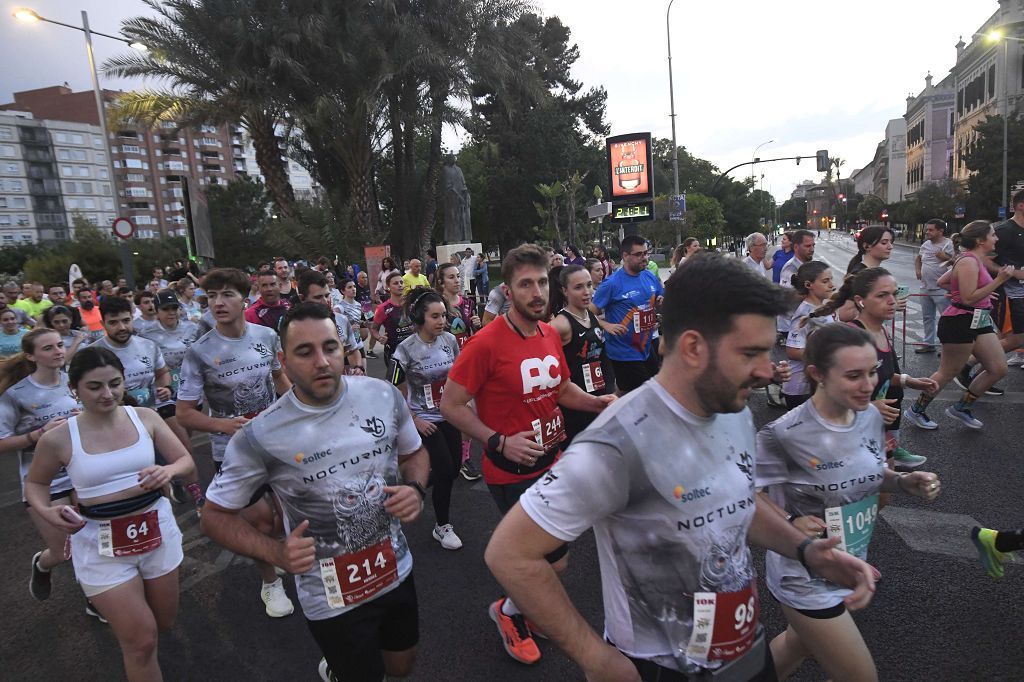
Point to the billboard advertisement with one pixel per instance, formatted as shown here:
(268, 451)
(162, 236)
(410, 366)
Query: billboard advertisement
(629, 166)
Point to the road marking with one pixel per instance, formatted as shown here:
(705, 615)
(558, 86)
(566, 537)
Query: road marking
(933, 532)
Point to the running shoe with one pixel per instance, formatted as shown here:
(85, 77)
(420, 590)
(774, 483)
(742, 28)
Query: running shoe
(39, 584)
(904, 459)
(515, 635)
(921, 350)
(919, 419)
(995, 390)
(325, 673)
(469, 472)
(991, 558)
(91, 610)
(963, 379)
(371, 354)
(774, 392)
(277, 601)
(177, 493)
(446, 536)
(965, 416)
(1016, 360)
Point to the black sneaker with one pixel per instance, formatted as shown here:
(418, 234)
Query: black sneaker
(178, 493)
(90, 610)
(371, 354)
(469, 472)
(995, 390)
(963, 379)
(39, 584)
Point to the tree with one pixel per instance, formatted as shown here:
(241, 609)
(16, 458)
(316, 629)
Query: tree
(240, 222)
(793, 213)
(870, 208)
(548, 211)
(13, 258)
(985, 161)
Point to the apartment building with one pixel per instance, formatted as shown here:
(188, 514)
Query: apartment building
(929, 141)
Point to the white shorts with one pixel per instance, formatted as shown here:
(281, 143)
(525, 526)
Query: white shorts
(98, 573)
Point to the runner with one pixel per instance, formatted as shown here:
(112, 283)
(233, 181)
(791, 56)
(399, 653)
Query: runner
(516, 372)
(583, 342)
(60, 319)
(462, 323)
(234, 369)
(144, 315)
(498, 303)
(672, 524)
(596, 269)
(872, 293)
(34, 399)
(173, 335)
(127, 549)
(11, 334)
(285, 285)
(631, 297)
(353, 310)
(146, 376)
(271, 306)
(803, 252)
(994, 547)
(874, 246)
(365, 297)
(414, 278)
(23, 318)
(312, 287)
(831, 491)
(390, 316)
(90, 313)
(33, 303)
(965, 328)
(757, 249)
(343, 512)
(813, 282)
(421, 368)
(185, 289)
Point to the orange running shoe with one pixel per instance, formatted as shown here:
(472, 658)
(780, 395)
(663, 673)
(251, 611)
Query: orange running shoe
(515, 635)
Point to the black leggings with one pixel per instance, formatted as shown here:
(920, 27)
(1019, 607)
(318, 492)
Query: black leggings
(445, 449)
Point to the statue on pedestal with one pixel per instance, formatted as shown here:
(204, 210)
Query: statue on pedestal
(458, 228)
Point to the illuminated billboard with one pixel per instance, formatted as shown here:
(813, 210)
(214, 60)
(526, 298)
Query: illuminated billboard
(629, 167)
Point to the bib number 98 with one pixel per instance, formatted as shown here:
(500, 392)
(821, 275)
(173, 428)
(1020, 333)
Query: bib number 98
(745, 614)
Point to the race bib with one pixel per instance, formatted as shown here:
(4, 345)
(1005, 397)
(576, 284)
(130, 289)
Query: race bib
(853, 524)
(724, 624)
(644, 320)
(175, 381)
(354, 578)
(550, 432)
(982, 318)
(143, 397)
(128, 535)
(461, 339)
(432, 394)
(593, 376)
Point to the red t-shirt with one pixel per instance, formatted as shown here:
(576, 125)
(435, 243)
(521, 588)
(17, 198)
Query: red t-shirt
(514, 381)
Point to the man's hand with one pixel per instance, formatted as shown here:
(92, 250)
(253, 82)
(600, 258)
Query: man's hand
(231, 424)
(522, 448)
(296, 553)
(921, 484)
(611, 665)
(404, 502)
(424, 427)
(811, 526)
(781, 372)
(885, 406)
(163, 393)
(843, 569)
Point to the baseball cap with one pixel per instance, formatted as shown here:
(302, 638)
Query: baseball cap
(166, 298)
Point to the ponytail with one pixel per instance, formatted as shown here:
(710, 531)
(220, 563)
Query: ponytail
(18, 366)
(854, 285)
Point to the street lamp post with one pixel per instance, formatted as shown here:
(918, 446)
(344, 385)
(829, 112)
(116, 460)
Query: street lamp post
(30, 16)
(997, 36)
(753, 163)
(672, 115)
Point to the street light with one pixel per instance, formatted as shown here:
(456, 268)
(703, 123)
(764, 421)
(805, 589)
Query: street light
(26, 15)
(753, 161)
(997, 36)
(672, 115)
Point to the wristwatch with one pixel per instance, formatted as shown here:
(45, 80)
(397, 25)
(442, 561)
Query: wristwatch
(494, 442)
(800, 549)
(418, 488)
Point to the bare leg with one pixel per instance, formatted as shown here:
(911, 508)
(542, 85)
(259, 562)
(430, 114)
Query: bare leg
(162, 596)
(835, 643)
(134, 625)
(399, 663)
(54, 538)
(992, 357)
(788, 652)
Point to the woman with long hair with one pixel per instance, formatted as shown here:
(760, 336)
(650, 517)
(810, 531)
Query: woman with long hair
(34, 399)
(813, 283)
(582, 342)
(965, 328)
(126, 546)
(185, 289)
(596, 270)
(823, 470)
(872, 293)
(874, 246)
(690, 246)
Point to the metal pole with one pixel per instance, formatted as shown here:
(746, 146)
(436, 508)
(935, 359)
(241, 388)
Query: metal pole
(1006, 142)
(672, 115)
(126, 256)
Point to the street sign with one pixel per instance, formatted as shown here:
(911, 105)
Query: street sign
(599, 210)
(1002, 213)
(123, 228)
(633, 211)
(960, 211)
(677, 208)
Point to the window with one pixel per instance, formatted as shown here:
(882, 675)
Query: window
(6, 133)
(63, 154)
(8, 239)
(129, 149)
(83, 171)
(77, 139)
(26, 237)
(102, 173)
(101, 157)
(97, 142)
(71, 203)
(14, 185)
(6, 150)
(132, 163)
(108, 204)
(89, 203)
(79, 155)
(67, 171)
(18, 202)
(135, 177)
(136, 192)
(22, 219)
(5, 220)
(12, 168)
(85, 187)
(61, 137)
(3, 202)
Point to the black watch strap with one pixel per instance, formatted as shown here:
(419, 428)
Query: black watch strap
(801, 550)
(494, 442)
(418, 488)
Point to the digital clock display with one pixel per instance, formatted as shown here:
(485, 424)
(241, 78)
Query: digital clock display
(634, 210)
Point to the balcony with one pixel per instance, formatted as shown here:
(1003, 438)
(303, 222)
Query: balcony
(127, 135)
(44, 187)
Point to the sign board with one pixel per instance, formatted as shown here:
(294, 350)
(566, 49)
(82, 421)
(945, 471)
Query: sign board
(374, 255)
(959, 211)
(629, 211)
(599, 210)
(123, 228)
(677, 207)
(629, 167)
(1002, 213)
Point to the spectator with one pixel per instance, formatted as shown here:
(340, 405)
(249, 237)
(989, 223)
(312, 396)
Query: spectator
(481, 276)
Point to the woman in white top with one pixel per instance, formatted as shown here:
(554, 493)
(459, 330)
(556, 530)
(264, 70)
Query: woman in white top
(126, 546)
(812, 281)
(185, 288)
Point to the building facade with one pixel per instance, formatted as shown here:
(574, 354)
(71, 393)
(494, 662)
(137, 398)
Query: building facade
(890, 162)
(929, 141)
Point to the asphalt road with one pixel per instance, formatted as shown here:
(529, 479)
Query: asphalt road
(936, 616)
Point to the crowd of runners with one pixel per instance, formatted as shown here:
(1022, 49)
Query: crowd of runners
(603, 397)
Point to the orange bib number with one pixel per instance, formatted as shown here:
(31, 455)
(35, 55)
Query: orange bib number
(550, 432)
(128, 535)
(354, 578)
(432, 394)
(645, 320)
(724, 624)
(593, 376)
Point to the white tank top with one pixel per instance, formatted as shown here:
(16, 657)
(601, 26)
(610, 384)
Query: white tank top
(104, 473)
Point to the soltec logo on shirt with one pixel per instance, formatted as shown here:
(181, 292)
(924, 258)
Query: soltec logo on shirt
(825, 466)
(300, 458)
(684, 495)
(537, 373)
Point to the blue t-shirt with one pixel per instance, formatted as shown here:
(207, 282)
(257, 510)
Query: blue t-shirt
(10, 344)
(630, 299)
(780, 258)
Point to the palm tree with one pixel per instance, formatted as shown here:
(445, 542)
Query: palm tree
(222, 62)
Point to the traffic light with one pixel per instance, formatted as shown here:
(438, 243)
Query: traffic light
(821, 158)
(842, 197)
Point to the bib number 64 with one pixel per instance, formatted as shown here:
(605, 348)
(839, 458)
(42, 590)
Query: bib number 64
(133, 531)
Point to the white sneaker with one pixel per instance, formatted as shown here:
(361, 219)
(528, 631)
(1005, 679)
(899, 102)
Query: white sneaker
(1016, 359)
(277, 601)
(446, 536)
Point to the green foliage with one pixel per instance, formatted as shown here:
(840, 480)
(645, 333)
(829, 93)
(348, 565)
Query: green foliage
(794, 212)
(13, 258)
(870, 208)
(240, 222)
(985, 161)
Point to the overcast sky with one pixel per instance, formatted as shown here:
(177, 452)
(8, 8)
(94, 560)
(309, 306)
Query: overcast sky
(808, 74)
